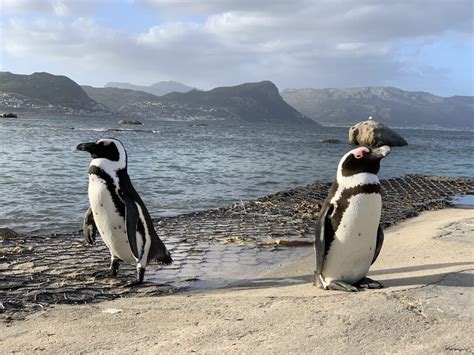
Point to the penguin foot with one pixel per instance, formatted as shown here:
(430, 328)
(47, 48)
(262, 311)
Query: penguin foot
(369, 283)
(114, 266)
(338, 285)
(317, 281)
(139, 280)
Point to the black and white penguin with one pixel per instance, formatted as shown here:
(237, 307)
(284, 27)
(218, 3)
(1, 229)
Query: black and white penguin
(117, 212)
(348, 233)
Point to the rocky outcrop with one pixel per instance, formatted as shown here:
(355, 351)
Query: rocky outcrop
(374, 134)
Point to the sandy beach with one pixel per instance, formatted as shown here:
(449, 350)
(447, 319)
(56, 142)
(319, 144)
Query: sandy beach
(427, 306)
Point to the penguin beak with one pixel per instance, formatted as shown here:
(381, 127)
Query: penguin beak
(86, 147)
(379, 153)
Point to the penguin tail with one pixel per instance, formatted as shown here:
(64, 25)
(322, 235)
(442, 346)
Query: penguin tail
(159, 252)
(165, 258)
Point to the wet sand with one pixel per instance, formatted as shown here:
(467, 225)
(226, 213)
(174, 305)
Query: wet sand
(427, 306)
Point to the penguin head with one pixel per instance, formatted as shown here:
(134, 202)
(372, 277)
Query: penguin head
(110, 152)
(362, 160)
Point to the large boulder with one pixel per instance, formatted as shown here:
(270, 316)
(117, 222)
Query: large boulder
(374, 134)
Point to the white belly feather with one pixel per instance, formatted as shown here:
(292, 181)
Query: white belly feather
(352, 250)
(109, 222)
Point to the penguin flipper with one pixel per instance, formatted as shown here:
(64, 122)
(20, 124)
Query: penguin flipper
(378, 245)
(322, 228)
(131, 221)
(89, 228)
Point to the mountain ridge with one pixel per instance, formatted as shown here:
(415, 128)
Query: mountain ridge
(251, 102)
(52, 89)
(114, 98)
(393, 106)
(159, 89)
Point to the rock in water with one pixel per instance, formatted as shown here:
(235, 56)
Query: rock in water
(331, 141)
(9, 115)
(130, 122)
(374, 134)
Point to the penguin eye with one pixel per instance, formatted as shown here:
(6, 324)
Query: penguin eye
(102, 143)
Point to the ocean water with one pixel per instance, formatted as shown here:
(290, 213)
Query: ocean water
(180, 167)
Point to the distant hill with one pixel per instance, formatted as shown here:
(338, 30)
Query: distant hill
(160, 88)
(114, 98)
(50, 89)
(251, 102)
(256, 102)
(392, 106)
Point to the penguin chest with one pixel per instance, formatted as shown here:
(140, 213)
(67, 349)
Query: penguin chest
(352, 250)
(109, 221)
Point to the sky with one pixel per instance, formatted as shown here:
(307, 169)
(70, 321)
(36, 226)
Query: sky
(424, 45)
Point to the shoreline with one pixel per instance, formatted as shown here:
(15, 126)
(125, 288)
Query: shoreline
(212, 249)
(425, 307)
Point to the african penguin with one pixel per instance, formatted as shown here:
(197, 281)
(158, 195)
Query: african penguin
(117, 212)
(348, 234)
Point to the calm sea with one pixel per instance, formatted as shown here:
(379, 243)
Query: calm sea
(181, 167)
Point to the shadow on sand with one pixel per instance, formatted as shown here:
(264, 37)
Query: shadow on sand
(461, 280)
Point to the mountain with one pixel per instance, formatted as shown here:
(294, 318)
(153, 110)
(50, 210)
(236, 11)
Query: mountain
(160, 88)
(392, 106)
(50, 89)
(114, 98)
(252, 102)
(256, 102)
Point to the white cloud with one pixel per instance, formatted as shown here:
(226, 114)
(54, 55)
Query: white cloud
(61, 8)
(17, 6)
(300, 43)
(210, 7)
